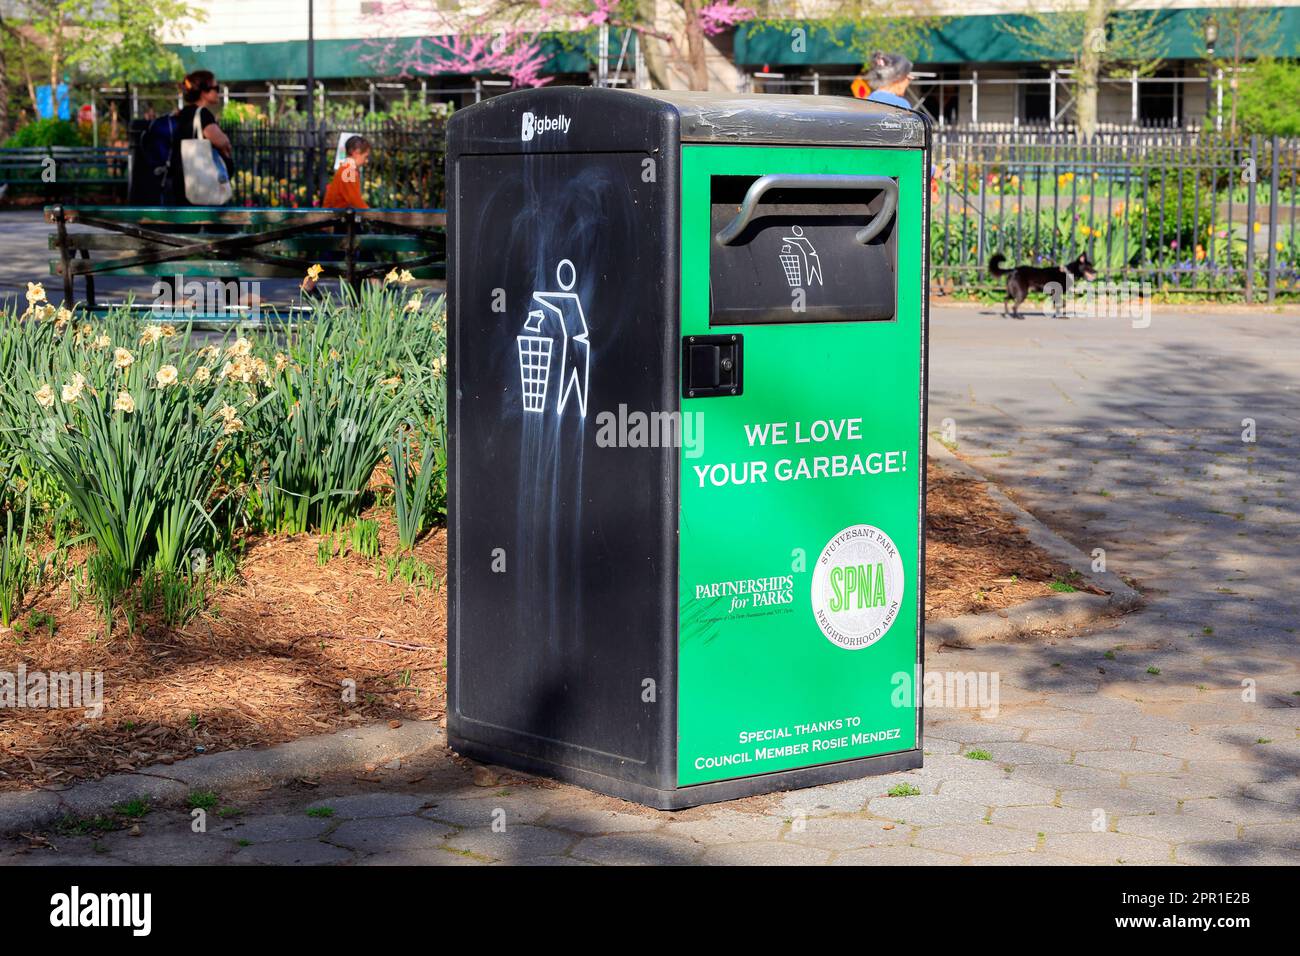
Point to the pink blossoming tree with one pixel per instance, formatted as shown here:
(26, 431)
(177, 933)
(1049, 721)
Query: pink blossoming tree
(505, 36)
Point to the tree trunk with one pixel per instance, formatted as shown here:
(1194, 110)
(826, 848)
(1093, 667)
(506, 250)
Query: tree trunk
(696, 60)
(1085, 82)
(1232, 113)
(1238, 43)
(28, 81)
(4, 95)
(651, 47)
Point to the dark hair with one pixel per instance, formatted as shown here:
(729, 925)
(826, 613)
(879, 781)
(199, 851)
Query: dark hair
(887, 68)
(196, 84)
(356, 144)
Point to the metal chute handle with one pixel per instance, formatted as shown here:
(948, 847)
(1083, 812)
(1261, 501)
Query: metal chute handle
(813, 181)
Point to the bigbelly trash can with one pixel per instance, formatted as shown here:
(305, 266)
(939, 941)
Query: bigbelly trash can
(687, 350)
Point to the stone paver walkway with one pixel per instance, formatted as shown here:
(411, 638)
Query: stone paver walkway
(1167, 737)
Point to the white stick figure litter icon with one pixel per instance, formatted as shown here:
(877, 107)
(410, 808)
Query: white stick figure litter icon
(799, 260)
(562, 312)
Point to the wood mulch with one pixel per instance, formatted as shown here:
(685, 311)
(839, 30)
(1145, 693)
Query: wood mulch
(976, 557)
(272, 657)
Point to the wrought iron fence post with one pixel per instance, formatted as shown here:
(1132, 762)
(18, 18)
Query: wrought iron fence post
(1251, 212)
(351, 264)
(1275, 187)
(60, 219)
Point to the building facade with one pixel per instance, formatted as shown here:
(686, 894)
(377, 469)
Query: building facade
(973, 65)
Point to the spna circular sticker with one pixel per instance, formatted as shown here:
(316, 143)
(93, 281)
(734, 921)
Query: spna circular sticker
(857, 587)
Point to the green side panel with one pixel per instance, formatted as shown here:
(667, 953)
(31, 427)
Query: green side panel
(753, 657)
(985, 39)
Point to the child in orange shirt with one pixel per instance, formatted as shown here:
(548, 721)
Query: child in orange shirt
(344, 190)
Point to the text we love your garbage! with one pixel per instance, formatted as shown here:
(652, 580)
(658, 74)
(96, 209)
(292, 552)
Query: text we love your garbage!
(806, 466)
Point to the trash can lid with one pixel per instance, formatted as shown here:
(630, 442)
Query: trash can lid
(783, 118)
(582, 118)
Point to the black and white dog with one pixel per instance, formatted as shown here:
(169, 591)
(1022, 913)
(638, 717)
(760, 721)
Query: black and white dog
(1054, 280)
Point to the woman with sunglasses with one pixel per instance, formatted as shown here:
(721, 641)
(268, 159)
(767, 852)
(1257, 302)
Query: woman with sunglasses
(201, 92)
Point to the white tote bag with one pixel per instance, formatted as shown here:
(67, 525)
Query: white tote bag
(206, 180)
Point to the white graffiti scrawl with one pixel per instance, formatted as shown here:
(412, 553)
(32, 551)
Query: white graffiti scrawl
(561, 315)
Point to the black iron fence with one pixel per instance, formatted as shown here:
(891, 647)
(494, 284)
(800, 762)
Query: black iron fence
(1178, 211)
(291, 165)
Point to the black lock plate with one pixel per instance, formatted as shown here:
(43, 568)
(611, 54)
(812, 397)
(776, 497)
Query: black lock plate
(712, 365)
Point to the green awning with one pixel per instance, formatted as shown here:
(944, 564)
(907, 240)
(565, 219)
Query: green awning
(286, 60)
(980, 39)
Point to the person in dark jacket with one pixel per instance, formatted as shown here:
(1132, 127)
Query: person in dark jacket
(201, 92)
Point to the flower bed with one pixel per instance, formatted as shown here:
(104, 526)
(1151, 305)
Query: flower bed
(162, 447)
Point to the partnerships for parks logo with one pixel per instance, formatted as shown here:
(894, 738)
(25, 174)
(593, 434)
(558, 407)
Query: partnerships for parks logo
(747, 593)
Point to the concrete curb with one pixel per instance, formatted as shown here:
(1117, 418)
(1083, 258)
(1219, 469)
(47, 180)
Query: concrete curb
(1068, 610)
(170, 784)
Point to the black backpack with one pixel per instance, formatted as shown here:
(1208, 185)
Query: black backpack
(152, 163)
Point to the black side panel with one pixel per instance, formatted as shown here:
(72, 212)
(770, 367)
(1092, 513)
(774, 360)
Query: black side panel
(563, 308)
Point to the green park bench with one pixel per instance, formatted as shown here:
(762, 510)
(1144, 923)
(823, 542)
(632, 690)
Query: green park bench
(224, 244)
(65, 170)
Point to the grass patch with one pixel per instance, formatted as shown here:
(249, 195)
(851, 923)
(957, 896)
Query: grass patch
(86, 826)
(134, 809)
(202, 800)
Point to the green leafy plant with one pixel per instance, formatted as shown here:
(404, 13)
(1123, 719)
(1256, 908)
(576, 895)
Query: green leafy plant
(414, 482)
(202, 800)
(157, 449)
(411, 571)
(47, 132)
(133, 436)
(363, 538)
(132, 808)
(16, 570)
(330, 414)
